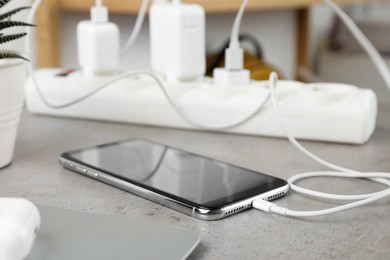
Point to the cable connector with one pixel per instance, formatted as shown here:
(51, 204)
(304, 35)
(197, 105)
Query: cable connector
(234, 58)
(231, 78)
(263, 205)
(269, 207)
(233, 74)
(99, 14)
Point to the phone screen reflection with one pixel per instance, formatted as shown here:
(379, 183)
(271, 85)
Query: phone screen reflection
(179, 173)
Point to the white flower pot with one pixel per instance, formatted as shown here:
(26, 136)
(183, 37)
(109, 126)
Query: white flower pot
(12, 81)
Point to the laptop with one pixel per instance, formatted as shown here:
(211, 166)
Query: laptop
(68, 234)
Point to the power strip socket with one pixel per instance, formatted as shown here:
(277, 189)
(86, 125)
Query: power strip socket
(320, 111)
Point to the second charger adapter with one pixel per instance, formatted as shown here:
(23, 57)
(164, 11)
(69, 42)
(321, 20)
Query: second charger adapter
(177, 39)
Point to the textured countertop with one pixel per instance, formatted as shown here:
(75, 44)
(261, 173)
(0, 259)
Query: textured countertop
(362, 233)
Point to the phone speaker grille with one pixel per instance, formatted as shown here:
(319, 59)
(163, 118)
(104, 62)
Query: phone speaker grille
(277, 195)
(238, 209)
(241, 208)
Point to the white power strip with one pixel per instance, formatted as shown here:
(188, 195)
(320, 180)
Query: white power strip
(320, 111)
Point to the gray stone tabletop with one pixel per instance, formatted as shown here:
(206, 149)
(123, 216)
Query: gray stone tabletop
(361, 233)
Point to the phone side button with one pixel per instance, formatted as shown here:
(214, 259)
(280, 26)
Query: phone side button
(93, 174)
(69, 165)
(80, 170)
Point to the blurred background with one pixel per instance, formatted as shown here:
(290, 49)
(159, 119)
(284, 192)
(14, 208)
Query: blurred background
(302, 39)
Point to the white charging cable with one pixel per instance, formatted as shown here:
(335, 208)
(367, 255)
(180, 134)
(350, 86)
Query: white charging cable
(170, 100)
(126, 74)
(233, 74)
(234, 54)
(261, 204)
(234, 36)
(341, 172)
(361, 199)
(137, 27)
(373, 53)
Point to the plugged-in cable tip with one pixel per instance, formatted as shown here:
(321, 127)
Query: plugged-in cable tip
(234, 58)
(231, 78)
(233, 74)
(269, 207)
(99, 14)
(262, 205)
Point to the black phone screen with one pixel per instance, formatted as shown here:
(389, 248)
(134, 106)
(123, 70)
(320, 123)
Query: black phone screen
(185, 176)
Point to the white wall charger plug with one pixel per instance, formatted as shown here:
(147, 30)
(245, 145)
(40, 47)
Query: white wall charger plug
(98, 43)
(224, 77)
(177, 40)
(234, 74)
(19, 225)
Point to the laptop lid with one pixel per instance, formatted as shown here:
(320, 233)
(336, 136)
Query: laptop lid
(68, 234)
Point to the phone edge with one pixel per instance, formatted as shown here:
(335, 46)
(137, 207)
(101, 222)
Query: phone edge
(199, 213)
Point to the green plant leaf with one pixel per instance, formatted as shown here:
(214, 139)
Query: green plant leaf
(4, 2)
(10, 55)
(8, 24)
(11, 37)
(12, 12)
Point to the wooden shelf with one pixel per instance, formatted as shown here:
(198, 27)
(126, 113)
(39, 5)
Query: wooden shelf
(48, 20)
(211, 6)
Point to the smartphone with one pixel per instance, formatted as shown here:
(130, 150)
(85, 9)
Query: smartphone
(201, 187)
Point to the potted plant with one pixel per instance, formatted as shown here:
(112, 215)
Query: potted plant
(12, 81)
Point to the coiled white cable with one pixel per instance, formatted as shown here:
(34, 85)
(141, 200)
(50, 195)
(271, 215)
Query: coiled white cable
(341, 172)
